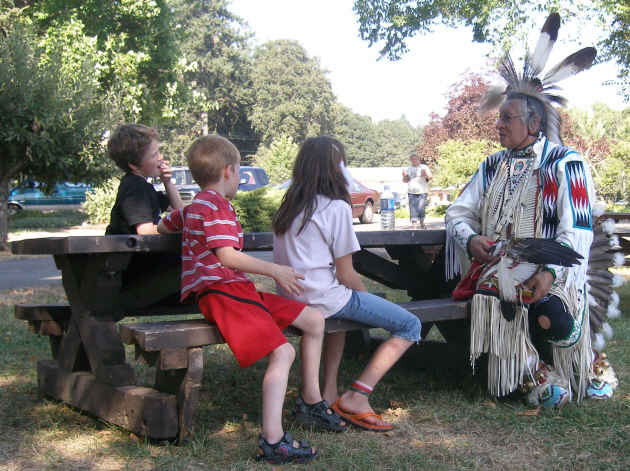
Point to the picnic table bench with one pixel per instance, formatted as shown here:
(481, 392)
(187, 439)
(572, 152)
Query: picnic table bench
(88, 369)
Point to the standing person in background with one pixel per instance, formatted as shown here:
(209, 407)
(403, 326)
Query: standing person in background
(417, 177)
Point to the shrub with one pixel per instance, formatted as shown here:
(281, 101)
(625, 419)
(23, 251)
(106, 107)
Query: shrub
(438, 210)
(402, 213)
(99, 203)
(256, 208)
(458, 161)
(54, 219)
(277, 159)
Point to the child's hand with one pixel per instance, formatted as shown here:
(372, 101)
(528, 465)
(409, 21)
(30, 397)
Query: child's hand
(288, 279)
(166, 172)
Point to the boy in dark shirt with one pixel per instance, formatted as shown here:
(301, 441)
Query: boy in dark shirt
(134, 148)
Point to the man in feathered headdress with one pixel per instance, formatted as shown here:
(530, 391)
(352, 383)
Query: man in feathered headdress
(529, 309)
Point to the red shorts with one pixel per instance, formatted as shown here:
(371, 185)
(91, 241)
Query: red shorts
(251, 322)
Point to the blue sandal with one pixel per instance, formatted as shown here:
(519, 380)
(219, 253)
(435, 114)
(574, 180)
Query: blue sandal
(285, 451)
(318, 415)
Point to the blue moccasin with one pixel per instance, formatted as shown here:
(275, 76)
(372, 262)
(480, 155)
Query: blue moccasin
(598, 389)
(554, 396)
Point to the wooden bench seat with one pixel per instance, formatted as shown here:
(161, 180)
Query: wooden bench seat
(175, 348)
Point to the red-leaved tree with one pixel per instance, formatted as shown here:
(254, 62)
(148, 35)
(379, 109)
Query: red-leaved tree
(462, 120)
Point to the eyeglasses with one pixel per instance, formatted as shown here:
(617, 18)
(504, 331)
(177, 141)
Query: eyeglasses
(504, 118)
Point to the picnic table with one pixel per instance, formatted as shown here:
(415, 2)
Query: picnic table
(88, 368)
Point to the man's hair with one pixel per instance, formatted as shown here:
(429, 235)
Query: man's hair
(128, 144)
(207, 156)
(530, 109)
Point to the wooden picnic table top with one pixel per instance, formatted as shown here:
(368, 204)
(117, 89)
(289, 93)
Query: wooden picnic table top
(254, 241)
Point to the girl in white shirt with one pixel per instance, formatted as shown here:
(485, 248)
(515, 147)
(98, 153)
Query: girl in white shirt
(314, 234)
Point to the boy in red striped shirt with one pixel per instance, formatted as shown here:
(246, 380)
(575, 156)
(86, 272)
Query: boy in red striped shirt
(213, 271)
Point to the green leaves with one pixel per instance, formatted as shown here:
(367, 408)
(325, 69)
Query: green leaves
(292, 95)
(277, 159)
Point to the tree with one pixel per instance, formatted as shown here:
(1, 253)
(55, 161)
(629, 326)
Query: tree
(293, 97)
(462, 120)
(611, 175)
(357, 134)
(396, 139)
(52, 117)
(213, 42)
(458, 160)
(135, 51)
(278, 158)
(392, 22)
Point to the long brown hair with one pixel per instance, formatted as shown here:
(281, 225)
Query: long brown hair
(316, 172)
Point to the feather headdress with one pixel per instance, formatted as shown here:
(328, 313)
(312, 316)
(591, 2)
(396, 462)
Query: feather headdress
(531, 85)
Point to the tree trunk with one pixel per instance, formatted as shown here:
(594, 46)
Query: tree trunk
(4, 212)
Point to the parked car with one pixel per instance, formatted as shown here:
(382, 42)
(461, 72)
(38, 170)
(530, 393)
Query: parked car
(28, 195)
(251, 178)
(365, 201)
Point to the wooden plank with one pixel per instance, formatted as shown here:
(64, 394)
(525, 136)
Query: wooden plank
(188, 393)
(43, 312)
(379, 269)
(98, 244)
(172, 242)
(154, 336)
(617, 216)
(369, 239)
(105, 351)
(164, 335)
(143, 411)
(431, 310)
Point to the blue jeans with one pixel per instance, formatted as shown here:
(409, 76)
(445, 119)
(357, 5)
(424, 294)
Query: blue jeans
(375, 311)
(417, 205)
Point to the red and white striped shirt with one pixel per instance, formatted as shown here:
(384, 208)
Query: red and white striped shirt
(207, 223)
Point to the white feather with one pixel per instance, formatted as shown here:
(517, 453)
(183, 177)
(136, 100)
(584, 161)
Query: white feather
(618, 259)
(608, 226)
(598, 209)
(613, 241)
(618, 281)
(599, 343)
(613, 312)
(614, 299)
(607, 330)
(592, 301)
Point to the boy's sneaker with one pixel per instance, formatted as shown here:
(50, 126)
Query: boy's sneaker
(286, 450)
(318, 415)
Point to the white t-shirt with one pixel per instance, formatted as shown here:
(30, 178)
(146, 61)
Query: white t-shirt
(327, 236)
(417, 184)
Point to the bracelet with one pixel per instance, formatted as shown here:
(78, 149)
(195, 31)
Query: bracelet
(470, 237)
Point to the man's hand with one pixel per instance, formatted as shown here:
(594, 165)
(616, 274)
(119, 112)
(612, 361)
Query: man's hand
(288, 279)
(539, 284)
(479, 247)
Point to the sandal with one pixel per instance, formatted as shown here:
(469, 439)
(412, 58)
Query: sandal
(285, 451)
(319, 415)
(358, 420)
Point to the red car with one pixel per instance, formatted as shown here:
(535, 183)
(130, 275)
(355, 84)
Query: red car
(365, 201)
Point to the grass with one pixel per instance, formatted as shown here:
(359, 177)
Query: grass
(444, 418)
(53, 219)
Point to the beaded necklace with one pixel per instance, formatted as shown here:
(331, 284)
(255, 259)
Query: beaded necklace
(513, 182)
